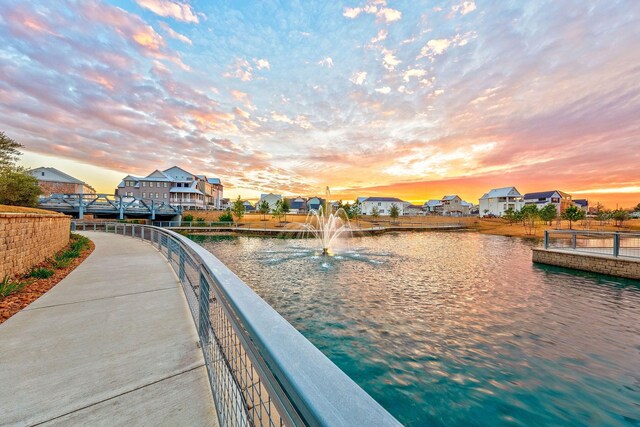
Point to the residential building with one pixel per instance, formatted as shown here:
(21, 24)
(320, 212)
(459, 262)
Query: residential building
(225, 203)
(499, 200)
(271, 199)
(297, 205)
(559, 199)
(413, 210)
(582, 204)
(433, 206)
(174, 186)
(248, 207)
(315, 203)
(453, 205)
(383, 204)
(53, 181)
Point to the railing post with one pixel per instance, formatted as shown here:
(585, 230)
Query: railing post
(73, 226)
(616, 244)
(546, 239)
(181, 272)
(574, 240)
(203, 318)
(169, 251)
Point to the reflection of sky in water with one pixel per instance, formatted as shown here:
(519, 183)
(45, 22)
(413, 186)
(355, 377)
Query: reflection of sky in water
(458, 328)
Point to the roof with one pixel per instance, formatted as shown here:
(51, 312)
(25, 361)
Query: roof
(450, 197)
(67, 178)
(296, 204)
(184, 190)
(383, 199)
(213, 180)
(501, 192)
(581, 202)
(544, 194)
(433, 202)
(410, 206)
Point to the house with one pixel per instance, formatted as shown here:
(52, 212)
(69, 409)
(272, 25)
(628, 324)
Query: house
(382, 204)
(225, 204)
(559, 199)
(582, 204)
(53, 181)
(175, 186)
(297, 205)
(453, 205)
(470, 207)
(248, 207)
(499, 200)
(271, 199)
(315, 203)
(413, 210)
(433, 206)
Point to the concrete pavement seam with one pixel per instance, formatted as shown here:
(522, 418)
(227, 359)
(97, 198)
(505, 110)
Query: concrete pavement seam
(121, 394)
(98, 299)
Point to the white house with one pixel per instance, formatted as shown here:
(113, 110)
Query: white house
(53, 181)
(559, 199)
(582, 204)
(271, 198)
(498, 200)
(383, 204)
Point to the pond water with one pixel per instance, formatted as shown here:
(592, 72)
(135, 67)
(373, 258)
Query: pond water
(457, 328)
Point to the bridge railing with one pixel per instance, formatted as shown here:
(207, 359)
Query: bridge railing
(262, 371)
(611, 243)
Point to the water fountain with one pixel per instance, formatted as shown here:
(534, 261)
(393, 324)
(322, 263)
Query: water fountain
(326, 228)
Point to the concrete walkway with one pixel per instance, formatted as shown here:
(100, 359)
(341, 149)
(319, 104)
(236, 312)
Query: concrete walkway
(112, 344)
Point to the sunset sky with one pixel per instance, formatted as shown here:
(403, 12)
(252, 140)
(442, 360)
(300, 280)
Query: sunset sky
(411, 99)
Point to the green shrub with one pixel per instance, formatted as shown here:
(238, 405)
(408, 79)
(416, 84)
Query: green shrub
(41, 273)
(62, 263)
(200, 222)
(78, 242)
(187, 218)
(8, 286)
(226, 217)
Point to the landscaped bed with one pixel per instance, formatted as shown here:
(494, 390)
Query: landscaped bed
(18, 292)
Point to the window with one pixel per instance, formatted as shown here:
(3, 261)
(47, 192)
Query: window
(380, 204)
(164, 184)
(144, 183)
(42, 173)
(144, 195)
(164, 195)
(157, 195)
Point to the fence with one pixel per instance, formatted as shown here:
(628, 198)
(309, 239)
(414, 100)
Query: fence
(262, 371)
(600, 242)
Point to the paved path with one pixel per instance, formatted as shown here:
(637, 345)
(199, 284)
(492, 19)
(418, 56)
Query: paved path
(112, 344)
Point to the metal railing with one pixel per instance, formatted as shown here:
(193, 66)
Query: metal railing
(625, 244)
(262, 371)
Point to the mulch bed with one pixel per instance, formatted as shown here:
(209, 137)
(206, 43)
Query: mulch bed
(13, 303)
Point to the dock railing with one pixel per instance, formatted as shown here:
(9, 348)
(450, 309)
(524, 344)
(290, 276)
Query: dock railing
(617, 244)
(262, 371)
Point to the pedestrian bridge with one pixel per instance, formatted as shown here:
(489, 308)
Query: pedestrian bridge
(110, 206)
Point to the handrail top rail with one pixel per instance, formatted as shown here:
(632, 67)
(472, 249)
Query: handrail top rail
(607, 233)
(315, 385)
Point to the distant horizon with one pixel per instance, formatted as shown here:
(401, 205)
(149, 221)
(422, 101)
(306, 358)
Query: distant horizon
(407, 99)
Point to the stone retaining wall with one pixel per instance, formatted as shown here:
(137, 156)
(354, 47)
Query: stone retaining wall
(28, 239)
(605, 264)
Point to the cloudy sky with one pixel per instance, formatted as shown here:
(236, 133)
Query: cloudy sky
(414, 99)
